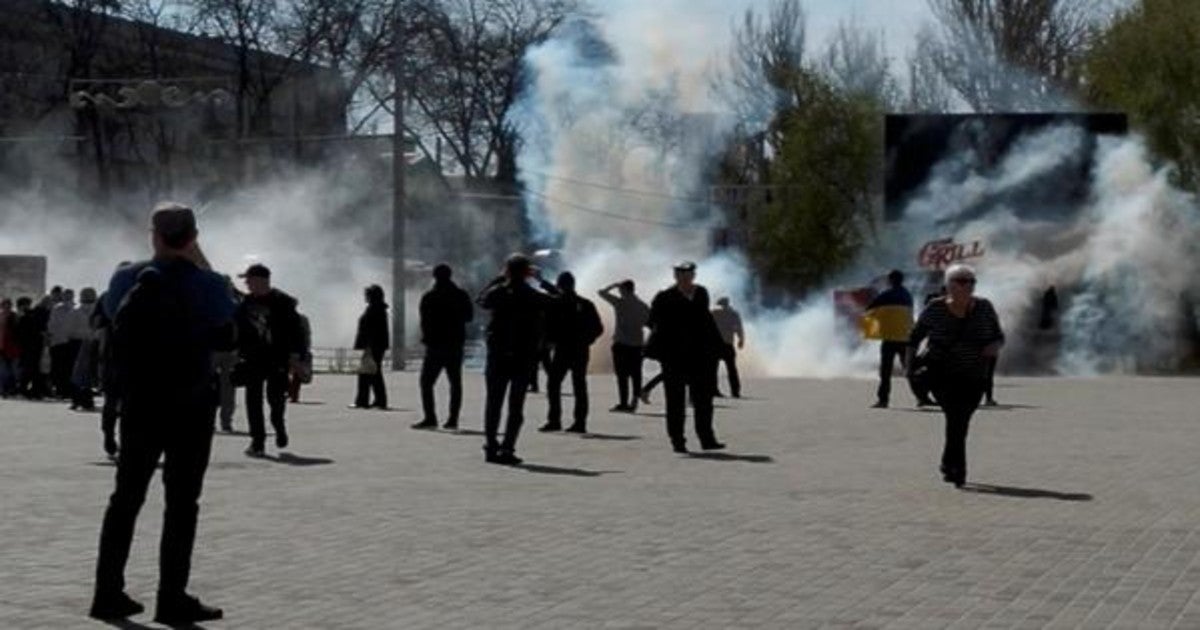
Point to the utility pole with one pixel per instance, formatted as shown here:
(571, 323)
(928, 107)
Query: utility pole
(399, 309)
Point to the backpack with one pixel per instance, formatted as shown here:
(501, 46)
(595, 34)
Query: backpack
(155, 349)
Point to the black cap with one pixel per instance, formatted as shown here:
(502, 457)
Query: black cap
(685, 265)
(256, 270)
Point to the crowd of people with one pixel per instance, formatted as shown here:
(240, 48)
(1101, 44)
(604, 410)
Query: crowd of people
(169, 342)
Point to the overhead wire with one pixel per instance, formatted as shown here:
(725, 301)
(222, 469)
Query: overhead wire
(630, 191)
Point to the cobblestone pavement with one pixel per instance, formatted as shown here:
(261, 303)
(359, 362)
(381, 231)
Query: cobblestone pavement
(1085, 512)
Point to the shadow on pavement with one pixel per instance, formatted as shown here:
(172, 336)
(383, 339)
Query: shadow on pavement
(126, 624)
(570, 472)
(609, 436)
(1025, 493)
(235, 433)
(297, 460)
(733, 457)
(307, 402)
(1006, 407)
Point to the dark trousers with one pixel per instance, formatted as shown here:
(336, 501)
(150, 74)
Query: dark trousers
(542, 362)
(62, 364)
(694, 377)
(728, 356)
(652, 383)
(989, 377)
(627, 363)
(959, 399)
(505, 375)
(888, 352)
(275, 380)
(575, 361)
(31, 383)
(437, 360)
(183, 437)
(8, 376)
(372, 384)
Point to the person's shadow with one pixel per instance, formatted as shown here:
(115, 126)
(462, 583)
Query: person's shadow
(292, 459)
(1025, 493)
(556, 470)
(609, 437)
(129, 624)
(733, 457)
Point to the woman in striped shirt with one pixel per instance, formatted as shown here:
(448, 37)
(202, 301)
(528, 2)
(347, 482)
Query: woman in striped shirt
(963, 332)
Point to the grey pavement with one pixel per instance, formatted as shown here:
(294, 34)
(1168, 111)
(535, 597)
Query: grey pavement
(1084, 513)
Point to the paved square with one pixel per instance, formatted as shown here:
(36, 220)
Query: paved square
(823, 514)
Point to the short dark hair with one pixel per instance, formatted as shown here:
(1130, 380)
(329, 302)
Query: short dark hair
(566, 281)
(175, 223)
(896, 277)
(442, 272)
(627, 285)
(517, 265)
(24, 301)
(374, 294)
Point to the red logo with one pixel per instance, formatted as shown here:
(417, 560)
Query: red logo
(944, 252)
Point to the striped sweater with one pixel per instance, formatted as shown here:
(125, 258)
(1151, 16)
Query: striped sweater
(958, 340)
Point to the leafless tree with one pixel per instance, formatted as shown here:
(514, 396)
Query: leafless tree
(767, 51)
(927, 89)
(1010, 54)
(857, 64)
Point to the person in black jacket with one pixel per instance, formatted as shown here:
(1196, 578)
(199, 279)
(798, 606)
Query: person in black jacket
(513, 335)
(373, 339)
(574, 326)
(445, 312)
(269, 339)
(31, 338)
(685, 340)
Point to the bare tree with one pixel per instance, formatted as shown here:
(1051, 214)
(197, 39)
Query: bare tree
(927, 90)
(1011, 54)
(767, 51)
(856, 63)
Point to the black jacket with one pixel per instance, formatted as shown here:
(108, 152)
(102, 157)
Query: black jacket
(373, 329)
(683, 329)
(574, 323)
(518, 316)
(269, 328)
(445, 312)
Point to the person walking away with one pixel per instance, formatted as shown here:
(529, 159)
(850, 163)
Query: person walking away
(225, 362)
(31, 339)
(9, 350)
(685, 340)
(110, 410)
(268, 340)
(372, 339)
(513, 336)
(729, 324)
(892, 310)
(81, 333)
(301, 367)
(573, 326)
(63, 349)
(963, 331)
(445, 312)
(169, 314)
(629, 340)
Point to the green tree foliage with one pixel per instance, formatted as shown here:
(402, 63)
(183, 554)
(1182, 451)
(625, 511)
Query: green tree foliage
(1145, 63)
(818, 211)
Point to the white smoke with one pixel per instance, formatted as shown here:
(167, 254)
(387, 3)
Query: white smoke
(1117, 261)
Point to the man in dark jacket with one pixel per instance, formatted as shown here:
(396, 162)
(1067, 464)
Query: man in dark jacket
(513, 335)
(177, 312)
(445, 312)
(893, 310)
(686, 342)
(269, 337)
(574, 325)
(31, 338)
(372, 338)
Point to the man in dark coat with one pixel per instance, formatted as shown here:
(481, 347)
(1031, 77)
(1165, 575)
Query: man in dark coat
(445, 312)
(269, 336)
(176, 314)
(31, 338)
(513, 335)
(574, 325)
(685, 340)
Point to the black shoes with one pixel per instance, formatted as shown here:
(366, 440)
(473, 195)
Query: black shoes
(281, 438)
(451, 425)
(879, 404)
(956, 477)
(227, 427)
(500, 456)
(110, 445)
(576, 428)
(184, 609)
(621, 409)
(116, 606)
(550, 426)
(712, 446)
(425, 424)
(255, 451)
(679, 447)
